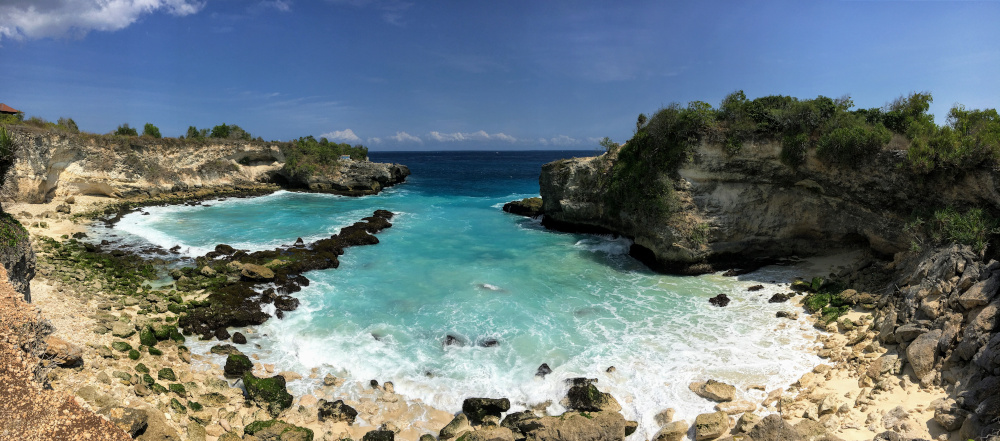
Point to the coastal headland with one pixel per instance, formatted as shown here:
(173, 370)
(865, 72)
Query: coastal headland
(909, 319)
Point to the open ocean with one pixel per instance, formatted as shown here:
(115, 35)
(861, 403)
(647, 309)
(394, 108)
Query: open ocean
(455, 264)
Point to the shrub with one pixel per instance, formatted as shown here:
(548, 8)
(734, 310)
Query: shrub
(234, 131)
(68, 124)
(793, 149)
(854, 144)
(125, 130)
(307, 156)
(150, 130)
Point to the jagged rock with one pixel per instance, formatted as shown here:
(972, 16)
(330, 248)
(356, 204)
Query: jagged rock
(237, 365)
(268, 393)
(909, 332)
(980, 293)
(710, 425)
(543, 370)
(948, 414)
(379, 435)
(773, 428)
(278, 430)
(719, 300)
(922, 353)
(521, 422)
(224, 350)
(478, 408)
(336, 411)
(747, 422)
(207, 271)
(893, 419)
(131, 421)
(778, 298)
(239, 338)
(673, 431)
(455, 428)
(256, 273)
(195, 431)
(888, 436)
(579, 426)
(123, 330)
(713, 390)
(491, 433)
(664, 417)
(62, 353)
(586, 397)
(988, 358)
(63, 208)
(530, 207)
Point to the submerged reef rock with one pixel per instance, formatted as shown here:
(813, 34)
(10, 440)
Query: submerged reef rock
(235, 302)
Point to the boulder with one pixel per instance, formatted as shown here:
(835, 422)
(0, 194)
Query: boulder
(980, 293)
(478, 408)
(674, 431)
(336, 411)
(457, 426)
(774, 428)
(530, 207)
(714, 390)
(922, 353)
(225, 350)
(579, 426)
(710, 425)
(778, 298)
(747, 422)
(378, 435)
(586, 397)
(256, 273)
(239, 338)
(278, 430)
(543, 370)
(490, 433)
(948, 414)
(521, 422)
(207, 271)
(131, 421)
(62, 353)
(122, 330)
(719, 300)
(237, 365)
(268, 393)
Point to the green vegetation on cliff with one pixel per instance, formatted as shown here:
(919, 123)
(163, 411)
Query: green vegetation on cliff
(307, 156)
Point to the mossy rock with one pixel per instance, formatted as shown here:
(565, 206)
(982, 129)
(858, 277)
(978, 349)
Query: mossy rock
(141, 368)
(134, 354)
(148, 379)
(121, 346)
(166, 374)
(274, 429)
(158, 388)
(155, 351)
(268, 393)
(195, 406)
(176, 308)
(178, 389)
(237, 365)
(177, 406)
(177, 337)
(163, 331)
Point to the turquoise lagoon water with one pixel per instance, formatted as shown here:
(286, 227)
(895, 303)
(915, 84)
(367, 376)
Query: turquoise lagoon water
(454, 264)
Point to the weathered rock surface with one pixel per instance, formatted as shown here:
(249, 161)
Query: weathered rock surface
(710, 425)
(714, 390)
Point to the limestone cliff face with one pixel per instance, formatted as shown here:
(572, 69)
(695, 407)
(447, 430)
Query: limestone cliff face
(730, 209)
(52, 164)
(16, 255)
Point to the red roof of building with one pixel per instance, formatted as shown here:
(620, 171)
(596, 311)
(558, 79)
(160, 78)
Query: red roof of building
(8, 109)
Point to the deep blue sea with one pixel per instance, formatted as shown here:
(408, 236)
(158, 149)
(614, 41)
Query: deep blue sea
(455, 264)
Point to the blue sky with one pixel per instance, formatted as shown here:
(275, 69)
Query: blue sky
(397, 75)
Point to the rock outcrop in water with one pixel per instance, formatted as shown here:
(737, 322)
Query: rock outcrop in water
(734, 209)
(54, 164)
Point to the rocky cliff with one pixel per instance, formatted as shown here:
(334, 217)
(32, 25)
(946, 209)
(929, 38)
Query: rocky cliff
(734, 209)
(51, 164)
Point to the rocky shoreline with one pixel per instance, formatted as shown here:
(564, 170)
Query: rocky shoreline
(189, 396)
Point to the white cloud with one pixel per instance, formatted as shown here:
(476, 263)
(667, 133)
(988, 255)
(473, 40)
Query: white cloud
(281, 5)
(559, 140)
(474, 136)
(346, 135)
(374, 140)
(406, 137)
(20, 19)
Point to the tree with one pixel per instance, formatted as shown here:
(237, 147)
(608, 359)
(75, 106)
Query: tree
(125, 130)
(150, 130)
(69, 124)
(220, 131)
(608, 144)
